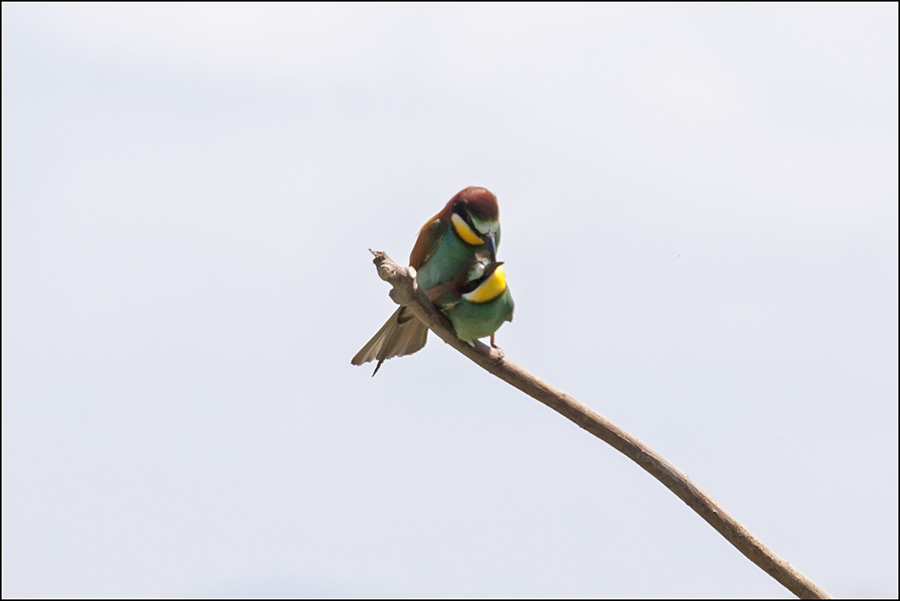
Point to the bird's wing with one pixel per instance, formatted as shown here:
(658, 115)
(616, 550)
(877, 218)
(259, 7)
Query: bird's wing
(401, 335)
(429, 238)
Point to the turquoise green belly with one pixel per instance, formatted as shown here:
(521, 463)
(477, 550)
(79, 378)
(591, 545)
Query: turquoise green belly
(477, 320)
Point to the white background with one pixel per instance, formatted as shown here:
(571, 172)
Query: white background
(699, 208)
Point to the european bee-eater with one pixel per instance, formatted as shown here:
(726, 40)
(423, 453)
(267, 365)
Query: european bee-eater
(467, 230)
(479, 301)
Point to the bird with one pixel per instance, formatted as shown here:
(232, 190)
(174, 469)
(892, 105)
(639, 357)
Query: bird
(479, 301)
(465, 233)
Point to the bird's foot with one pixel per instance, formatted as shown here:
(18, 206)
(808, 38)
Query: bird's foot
(497, 348)
(494, 353)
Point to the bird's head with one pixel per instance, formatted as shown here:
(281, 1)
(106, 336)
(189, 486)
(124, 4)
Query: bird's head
(484, 281)
(475, 217)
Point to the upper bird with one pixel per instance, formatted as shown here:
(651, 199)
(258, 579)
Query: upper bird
(465, 232)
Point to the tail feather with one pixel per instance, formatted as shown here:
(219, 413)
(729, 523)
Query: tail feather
(401, 335)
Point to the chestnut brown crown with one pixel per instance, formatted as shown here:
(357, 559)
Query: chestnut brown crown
(475, 200)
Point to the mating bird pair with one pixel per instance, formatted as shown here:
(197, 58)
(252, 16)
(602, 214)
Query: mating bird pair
(455, 258)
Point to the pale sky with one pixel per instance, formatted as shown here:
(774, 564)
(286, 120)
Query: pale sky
(700, 231)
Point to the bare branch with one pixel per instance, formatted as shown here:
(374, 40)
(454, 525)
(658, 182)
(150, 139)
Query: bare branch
(406, 292)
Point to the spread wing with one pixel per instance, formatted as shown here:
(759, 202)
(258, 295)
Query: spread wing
(402, 334)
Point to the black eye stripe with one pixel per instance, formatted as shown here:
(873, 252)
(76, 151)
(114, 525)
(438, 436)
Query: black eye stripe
(470, 286)
(464, 215)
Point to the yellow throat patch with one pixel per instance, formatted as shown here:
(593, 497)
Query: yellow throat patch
(465, 232)
(489, 289)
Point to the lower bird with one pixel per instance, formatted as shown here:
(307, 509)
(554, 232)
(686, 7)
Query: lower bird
(479, 301)
(455, 261)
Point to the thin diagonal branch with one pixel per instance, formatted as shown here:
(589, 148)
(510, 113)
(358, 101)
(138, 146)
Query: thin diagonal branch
(406, 292)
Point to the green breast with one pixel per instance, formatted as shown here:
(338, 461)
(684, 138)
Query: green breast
(451, 255)
(477, 320)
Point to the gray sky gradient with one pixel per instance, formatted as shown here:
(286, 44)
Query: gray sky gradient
(700, 229)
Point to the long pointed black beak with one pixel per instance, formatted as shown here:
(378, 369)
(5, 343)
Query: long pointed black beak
(492, 247)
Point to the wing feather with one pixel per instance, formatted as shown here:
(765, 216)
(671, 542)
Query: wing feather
(429, 238)
(401, 335)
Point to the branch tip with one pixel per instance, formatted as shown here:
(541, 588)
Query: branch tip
(404, 291)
